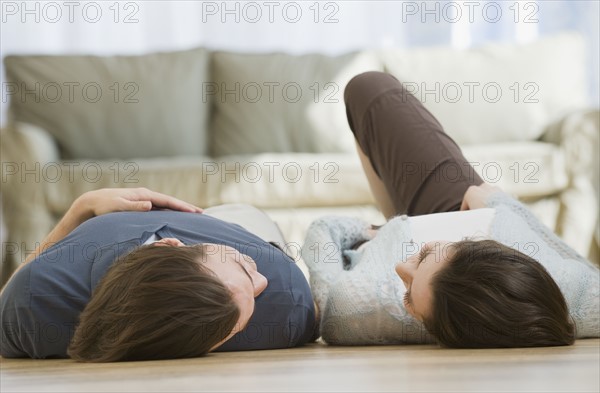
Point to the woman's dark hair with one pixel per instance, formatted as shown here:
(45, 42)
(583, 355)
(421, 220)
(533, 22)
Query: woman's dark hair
(490, 295)
(157, 302)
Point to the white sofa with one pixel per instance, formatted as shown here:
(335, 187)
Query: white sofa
(270, 130)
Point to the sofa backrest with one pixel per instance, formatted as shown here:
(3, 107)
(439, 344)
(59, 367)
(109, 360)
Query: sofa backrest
(283, 103)
(198, 102)
(113, 107)
(493, 93)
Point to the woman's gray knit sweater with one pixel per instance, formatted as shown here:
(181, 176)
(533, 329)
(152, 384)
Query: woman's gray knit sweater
(361, 300)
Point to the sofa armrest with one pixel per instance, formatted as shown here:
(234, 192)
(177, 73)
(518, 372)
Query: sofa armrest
(577, 135)
(28, 154)
(23, 142)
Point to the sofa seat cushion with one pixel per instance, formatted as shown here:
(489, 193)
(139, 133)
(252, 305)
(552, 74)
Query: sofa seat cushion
(114, 107)
(265, 180)
(293, 180)
(177, 176)
(524, 169)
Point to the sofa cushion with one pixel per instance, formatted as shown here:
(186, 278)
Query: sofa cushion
(265, 180)
(282, 103)
(181, 177)
(524, 169)
(497, 92)
(113, 107)
(292, 180)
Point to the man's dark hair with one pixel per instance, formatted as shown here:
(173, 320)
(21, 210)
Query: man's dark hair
(490, 295)
(157, 302)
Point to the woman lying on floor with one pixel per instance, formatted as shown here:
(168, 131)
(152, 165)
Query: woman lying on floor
(499, 278)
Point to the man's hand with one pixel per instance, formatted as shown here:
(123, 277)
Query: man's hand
(476, 196)
(108, 200)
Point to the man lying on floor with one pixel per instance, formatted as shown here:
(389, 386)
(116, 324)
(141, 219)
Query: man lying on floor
(137, 284)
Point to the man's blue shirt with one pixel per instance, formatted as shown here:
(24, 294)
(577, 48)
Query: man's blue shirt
(40, 306)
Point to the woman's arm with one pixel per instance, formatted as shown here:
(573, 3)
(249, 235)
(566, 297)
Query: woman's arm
(322, 251)
(328, 237)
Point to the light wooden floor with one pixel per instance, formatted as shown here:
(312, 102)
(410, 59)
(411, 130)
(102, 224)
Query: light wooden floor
(321, 368)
